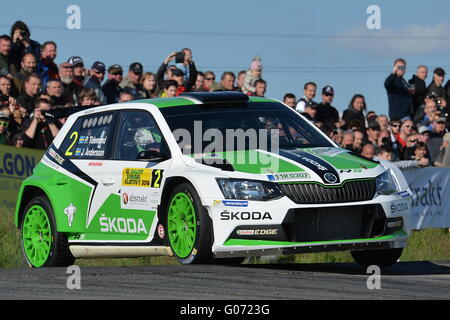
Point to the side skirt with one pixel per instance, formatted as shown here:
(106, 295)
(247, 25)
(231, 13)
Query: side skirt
(84, 251)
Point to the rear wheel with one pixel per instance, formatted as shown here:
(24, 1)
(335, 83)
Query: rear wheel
(188, 226)
(42, 245)
(382, 258)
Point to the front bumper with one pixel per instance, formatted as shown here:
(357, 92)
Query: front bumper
(246, 228)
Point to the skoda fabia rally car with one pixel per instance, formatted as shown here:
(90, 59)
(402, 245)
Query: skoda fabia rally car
(206, 177)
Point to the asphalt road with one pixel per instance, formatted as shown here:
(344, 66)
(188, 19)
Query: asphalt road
(405, 280)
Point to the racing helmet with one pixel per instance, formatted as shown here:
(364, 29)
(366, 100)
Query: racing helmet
(143, 137)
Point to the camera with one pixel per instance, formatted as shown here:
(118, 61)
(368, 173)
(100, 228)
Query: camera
(24, 34)
(179, 57)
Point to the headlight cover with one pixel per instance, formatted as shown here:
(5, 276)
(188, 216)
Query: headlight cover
(249, 189)
(386, 183)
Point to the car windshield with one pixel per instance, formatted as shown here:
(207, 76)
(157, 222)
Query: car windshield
(265, 126)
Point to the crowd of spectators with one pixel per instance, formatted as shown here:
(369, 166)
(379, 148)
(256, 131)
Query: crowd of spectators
(413, 134)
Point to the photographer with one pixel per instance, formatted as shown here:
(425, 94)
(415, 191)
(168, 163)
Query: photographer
(22, 43)
(40, 130)
(399, 93)
(179, 57)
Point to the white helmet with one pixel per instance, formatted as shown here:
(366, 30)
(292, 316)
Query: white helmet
(143, 137)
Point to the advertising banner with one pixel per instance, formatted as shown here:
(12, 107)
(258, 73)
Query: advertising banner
(431, 197)
(16, 164)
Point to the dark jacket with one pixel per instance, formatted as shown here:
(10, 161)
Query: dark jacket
(18, 50)
(420, 92)
(187, 84)
(327, 114)
(27, 102)
(112, 91)
(351, 115)
(399, 98)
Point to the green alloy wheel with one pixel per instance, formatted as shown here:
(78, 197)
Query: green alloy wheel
(188, 226)
(42, 245)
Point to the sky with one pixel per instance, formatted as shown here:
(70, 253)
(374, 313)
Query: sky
(327, 42)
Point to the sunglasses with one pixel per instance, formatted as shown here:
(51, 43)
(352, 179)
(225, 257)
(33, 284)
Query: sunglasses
(210, 79)
(4, 123)
(413, 141)
(117, 73)
(397, 125)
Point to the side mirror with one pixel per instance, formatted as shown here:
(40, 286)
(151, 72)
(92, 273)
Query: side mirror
(152, 155)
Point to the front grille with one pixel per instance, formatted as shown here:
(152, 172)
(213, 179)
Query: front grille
(350, 191)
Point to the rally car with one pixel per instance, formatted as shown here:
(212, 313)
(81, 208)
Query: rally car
(206, 177)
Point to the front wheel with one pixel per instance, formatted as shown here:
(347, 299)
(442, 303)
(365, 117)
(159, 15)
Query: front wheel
(188, 226)
(382, 258)
(42, 245)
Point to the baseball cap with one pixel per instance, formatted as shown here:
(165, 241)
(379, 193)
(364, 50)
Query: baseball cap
(75, 60)
(439, 71)
(99, 66)
(423, 129)
(432, 95)
(328, 90)
(177, 72)
(136, 67)
(440, 119)
(115, 68)
(3, 116)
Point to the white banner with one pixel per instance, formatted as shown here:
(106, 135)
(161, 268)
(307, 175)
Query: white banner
(431, 197)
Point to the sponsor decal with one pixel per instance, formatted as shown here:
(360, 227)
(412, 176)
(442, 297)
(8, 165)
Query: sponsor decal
(258, 232)
(288, 176)
(329, 152)
(56, 156)
(122, 225)
(399, 207)
(245, 215)
(403, 194)
(125, 198)
(350, 170)
(70, 211)
(95, 164)
(142, 177)
(86, 152)
(161, 232)
(235, 203)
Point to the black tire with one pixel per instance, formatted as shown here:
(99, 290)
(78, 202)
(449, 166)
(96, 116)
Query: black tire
(59, 254)
(201, 249)
(382, 258)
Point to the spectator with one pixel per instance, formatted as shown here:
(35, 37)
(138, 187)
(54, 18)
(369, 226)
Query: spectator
(55, 92)
(5, 86)
(40, 130)
(132, 82)
(443, 157)
(95, 80)
(209, 80)
(70, 89)
(326, 113)
(437, 86)
(87, 97)
(200, 83)
(28, 66)
(354, 114)
(170, 89)
(420, 113)
(111, 87)
(78, 71)
(240, 80)
(348, 140)
(6, 66)
(371, 116)
(125, 96)
(309, 92)
(358, 141)
(424, 134)
(150, 86)
(260, 88)
(253, 73)
(385, 153)
(420, 154)
(184, 58)
(402, 137)
(383, 121)
(22, 44)
(227, 81)
(368, 151)
(411, 142)
(430, 110)
(4, 123)
(17, 140)
(419, 87)
(310, 112)
(46, 67)
(183, 85)
(437, 132)
(399, 97)
(32, 86)
(384, 138)
(290, 100)
(372, 133)
(337, 136)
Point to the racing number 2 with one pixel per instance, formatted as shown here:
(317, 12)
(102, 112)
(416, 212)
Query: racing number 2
(156, 179)
(73, 136)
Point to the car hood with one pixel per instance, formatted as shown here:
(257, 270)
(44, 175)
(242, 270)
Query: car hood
(325, 164)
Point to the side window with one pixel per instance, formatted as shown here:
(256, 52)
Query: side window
(138, 132)
(89, 137)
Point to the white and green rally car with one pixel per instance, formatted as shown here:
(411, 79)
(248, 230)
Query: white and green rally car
(206, 176)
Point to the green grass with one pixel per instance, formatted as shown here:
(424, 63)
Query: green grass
(424, 245)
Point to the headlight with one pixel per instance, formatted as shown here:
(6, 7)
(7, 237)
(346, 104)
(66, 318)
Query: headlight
(248, 189)
(386, 183)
